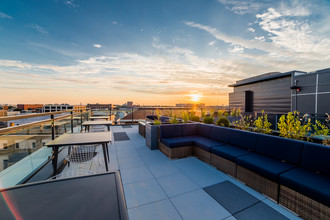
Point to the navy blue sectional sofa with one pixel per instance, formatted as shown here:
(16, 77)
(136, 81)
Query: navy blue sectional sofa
(294, 173)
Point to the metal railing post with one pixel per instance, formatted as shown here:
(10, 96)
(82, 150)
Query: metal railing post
(132, 115)
(80, 120)
(53, 126)
(71, 121)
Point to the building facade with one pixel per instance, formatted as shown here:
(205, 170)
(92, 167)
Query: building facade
(29, 106)
(280, 93)
(99, 106)
(57, 107)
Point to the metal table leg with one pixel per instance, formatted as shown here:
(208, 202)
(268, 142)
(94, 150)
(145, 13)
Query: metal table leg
(105, 157)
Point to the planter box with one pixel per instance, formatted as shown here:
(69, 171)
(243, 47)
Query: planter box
(151, 132)
(142, 129)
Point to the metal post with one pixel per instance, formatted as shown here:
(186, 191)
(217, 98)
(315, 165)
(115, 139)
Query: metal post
(53, 126)
(110, 111)
(80, 119)
(71, 121)
(132, 115)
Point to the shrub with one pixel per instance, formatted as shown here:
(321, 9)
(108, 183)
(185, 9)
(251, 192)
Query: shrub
(185, 117)
(208, 120)
(235, 112)
(222, 113)
(157, 122)
(262, 124)
(322, 131)
(224, 122)
(244, 123)
(194, 118)
(290, 126)
(173, 120)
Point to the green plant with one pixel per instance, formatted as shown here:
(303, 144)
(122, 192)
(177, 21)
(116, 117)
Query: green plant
(222, 113)
(173, 120)
(321, 130)
(157, 122)
(244, 123)
(224, 122)
(185, 117)
(208, 120)
(290, 126)
(194, 118)
(235, 112)
(202, 113)
(262, 125)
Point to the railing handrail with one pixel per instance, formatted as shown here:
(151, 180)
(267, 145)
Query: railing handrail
(33, 115)
(32, 124)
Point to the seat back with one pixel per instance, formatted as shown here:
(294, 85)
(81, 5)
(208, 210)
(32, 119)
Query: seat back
(168, 131)
(220, 133)
(189, 129)
(204, 130)
(243, 139)
(316, 157)
(280, 148)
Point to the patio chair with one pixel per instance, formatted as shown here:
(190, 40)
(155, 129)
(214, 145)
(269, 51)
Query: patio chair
(81, 154)
(72, 173)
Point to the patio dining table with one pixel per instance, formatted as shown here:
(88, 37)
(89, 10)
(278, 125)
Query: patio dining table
(88, 124)
(99, 117)
(79, 139)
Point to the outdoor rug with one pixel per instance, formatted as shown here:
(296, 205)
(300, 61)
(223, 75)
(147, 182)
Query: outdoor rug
(120, 136)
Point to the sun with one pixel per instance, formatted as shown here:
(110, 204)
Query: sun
(195, 97)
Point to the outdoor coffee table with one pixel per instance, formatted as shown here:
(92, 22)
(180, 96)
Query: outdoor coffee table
(68, 139)
(88, 124)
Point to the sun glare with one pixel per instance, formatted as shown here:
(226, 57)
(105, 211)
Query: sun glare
(195, 97)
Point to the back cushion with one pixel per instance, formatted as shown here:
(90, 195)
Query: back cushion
(316, 157)
(167, 131)
(220, 134)
(204, 130)
(189, 129)
(280, 148)
(243, 139)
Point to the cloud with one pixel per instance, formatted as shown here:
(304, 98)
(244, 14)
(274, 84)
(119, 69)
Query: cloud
(251, 30)
(242, 7)
(115, 22)
(97, 45)
(38, 28)
(212, 43)
(236, 49)
(3, 15)
(71, 3)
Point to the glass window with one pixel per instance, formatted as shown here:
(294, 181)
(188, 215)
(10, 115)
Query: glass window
(17, 145)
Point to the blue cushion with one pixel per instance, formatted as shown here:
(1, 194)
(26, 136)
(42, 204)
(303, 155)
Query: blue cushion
(316, 157)
(220, 133)
(206, 143)
(264, 166)
(189, 129)
(204, 130)
(229, 152)
(243, 139)
(177, 141)
(311, 184)
(167, 131)
(280, 148)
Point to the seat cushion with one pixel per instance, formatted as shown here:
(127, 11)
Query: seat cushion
(206, 143)
(264, 166)
(168, 131)
(243, 139)
(204, 130)
(177, 141)
(229, 152)
(189, 129)
(316, 157)
(280, 148)
(311, 184)
(220, 133)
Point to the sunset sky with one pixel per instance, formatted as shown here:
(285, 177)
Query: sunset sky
(153, 51)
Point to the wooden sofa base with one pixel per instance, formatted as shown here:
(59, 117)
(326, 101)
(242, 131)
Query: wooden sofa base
(178, 152)
(202, 154)
(223, 165)
(257, 182)
(304, 206)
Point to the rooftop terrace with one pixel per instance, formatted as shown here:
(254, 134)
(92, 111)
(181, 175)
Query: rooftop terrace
(157, 187)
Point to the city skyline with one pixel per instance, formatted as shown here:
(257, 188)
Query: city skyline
(153, 52)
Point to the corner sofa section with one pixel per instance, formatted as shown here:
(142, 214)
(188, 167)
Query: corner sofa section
(294, 173)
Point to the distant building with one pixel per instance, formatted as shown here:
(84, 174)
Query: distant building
(78, 108)
(190, 105)
(29, 106)
(99, 106)
(129, 104)
(57, 107)
(3, 113)
(283, 92)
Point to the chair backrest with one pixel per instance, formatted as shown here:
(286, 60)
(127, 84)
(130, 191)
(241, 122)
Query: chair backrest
(316, 157)
(81, 153)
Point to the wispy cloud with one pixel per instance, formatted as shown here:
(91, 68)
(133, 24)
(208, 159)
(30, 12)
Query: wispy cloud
(38, 28)
(97, 45)
(3, 15)
(71, 3)
(242, 7)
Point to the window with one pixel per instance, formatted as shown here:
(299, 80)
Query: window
(17, 145)
(33, 145)
(5, 147)
(43, 143)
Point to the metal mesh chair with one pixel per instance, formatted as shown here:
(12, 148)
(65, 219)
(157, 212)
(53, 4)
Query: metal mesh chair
(81, 153)
(71, 173)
